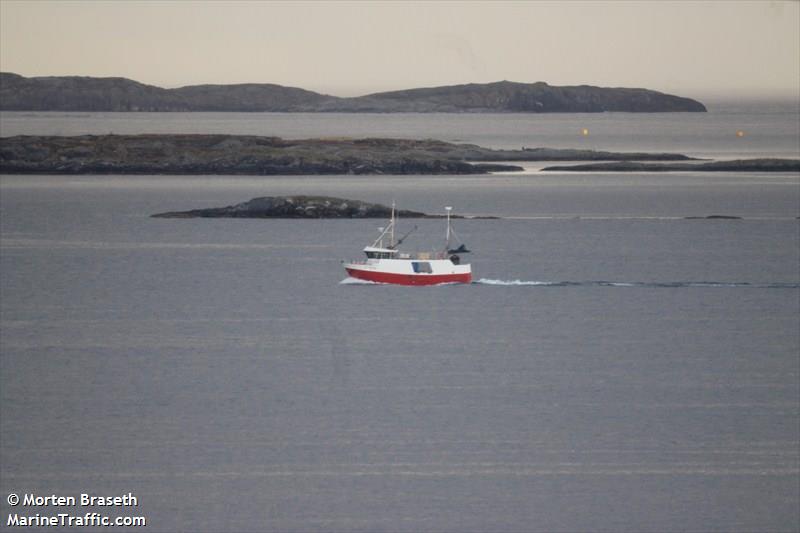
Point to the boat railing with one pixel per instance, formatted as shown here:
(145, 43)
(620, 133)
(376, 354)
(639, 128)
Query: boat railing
(415, 256)
(423, 256)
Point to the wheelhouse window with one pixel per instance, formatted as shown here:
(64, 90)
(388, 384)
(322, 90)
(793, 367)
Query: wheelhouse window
(423, 268)
(378, 255)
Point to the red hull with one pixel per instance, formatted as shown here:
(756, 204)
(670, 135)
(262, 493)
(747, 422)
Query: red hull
(409, 279)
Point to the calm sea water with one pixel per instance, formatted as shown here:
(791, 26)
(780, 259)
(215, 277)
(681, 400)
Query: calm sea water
(616, 367)
(771, 129)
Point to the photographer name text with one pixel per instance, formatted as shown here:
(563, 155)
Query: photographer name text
(83, 500)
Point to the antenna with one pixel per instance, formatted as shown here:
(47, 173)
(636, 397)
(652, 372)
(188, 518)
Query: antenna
(447, 235)
(391, 237)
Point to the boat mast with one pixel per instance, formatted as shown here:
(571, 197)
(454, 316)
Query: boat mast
(384, 230)
(391, 236)
(447, 235)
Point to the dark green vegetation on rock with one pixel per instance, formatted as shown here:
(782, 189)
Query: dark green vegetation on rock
(251, 155)
(738, 165)
(79, 93)
(296, 207)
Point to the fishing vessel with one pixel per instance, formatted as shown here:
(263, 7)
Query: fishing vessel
(386, 263)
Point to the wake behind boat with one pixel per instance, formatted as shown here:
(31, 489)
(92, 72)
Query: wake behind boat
(387, 264)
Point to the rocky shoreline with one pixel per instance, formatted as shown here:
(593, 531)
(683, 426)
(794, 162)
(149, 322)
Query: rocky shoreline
(253, 155)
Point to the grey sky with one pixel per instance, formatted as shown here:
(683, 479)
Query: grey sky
(719, 48)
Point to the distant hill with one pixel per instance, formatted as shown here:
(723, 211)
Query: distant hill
(79, 93)
(507, 96)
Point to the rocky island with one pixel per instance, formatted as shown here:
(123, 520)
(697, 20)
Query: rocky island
(304, 207)
(738, 165)
(81, 93)
(252, 155)
(297, 207)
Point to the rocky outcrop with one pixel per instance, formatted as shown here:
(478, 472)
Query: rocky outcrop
(80, 93)
(739, 165)
(250, 155)
(296, 207)
(230, 154)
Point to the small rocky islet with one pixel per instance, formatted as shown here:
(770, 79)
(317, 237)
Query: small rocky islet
(737, 165)
(316, 207)
(298, 207)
